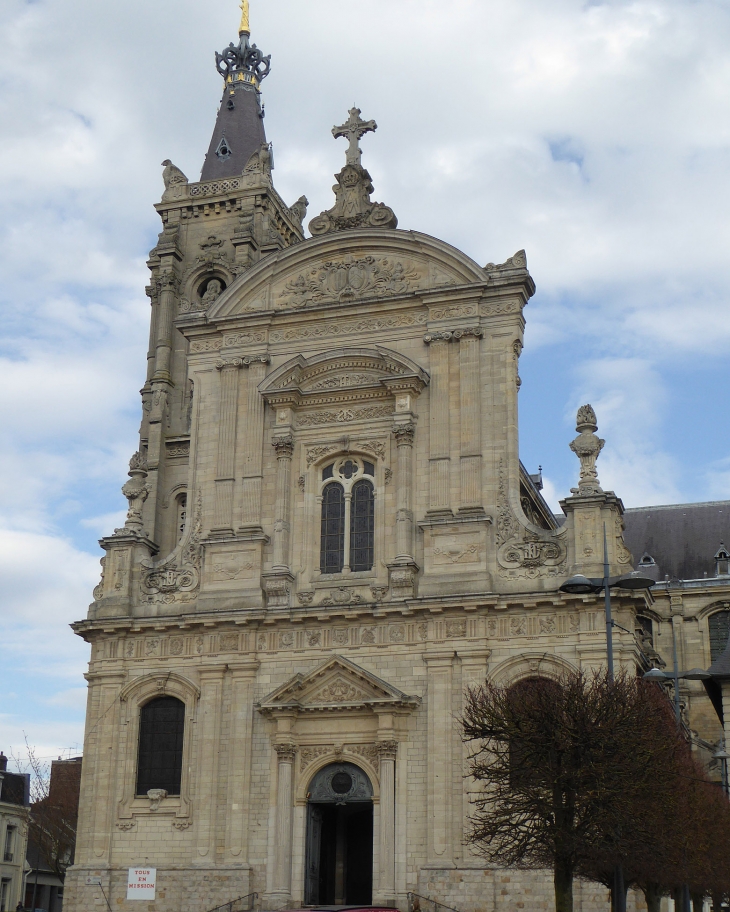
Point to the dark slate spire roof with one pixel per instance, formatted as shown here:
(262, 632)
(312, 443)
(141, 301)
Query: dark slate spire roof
(682, 539)
(239, 130)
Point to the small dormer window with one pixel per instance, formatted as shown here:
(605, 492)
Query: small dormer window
(722, 561)
(223, 151)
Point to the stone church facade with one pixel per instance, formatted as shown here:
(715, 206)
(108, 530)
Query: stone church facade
(330, 535)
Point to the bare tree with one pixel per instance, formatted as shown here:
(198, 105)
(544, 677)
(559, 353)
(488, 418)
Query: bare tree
(563, 764)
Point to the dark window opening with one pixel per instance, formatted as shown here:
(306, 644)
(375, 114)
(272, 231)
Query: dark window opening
(348, 469)
(719, 632)
(332, 549)
(645, 625)
(161, 730)
(369, 469)
(362, 526)
(328, 472)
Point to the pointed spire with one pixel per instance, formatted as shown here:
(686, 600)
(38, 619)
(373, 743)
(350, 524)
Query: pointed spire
(239, 131)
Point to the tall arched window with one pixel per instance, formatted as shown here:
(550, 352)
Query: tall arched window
(348, 516)
(719, 624)
(161, 731)
(332, 551)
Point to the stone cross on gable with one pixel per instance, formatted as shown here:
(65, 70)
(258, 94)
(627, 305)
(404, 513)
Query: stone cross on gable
(353, 128)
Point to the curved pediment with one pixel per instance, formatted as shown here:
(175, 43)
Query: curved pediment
(344, 369)
(346, 268)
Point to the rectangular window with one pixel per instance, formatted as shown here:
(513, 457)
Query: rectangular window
(4, 894)
(9, 843)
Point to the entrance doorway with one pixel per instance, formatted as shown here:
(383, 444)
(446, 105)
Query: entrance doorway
(340, 837)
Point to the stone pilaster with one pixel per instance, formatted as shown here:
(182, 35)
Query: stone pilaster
(440, 759)
(209, 730)
(239, 761)
(439, 423)
(284, 447)
(403, 570)
(225, 479)
(469, 387)
(253, 444)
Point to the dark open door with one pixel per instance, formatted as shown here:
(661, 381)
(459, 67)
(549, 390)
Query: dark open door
(314, 851)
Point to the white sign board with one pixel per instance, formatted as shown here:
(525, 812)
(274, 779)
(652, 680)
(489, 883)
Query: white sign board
(141, 883)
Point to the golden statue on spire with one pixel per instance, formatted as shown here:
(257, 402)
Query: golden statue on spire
(244, 28)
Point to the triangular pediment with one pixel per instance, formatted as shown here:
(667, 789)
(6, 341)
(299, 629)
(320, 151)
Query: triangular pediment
(335, 684)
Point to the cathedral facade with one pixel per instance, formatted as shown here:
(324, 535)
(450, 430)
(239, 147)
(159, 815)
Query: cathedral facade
(330, 536)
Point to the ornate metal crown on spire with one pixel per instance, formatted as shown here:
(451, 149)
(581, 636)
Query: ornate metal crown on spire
(353, 207)
(243, 62)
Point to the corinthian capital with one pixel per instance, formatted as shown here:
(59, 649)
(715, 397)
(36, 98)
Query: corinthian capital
(404, 434)
(286, 752)
(284, 446)
(387, 750)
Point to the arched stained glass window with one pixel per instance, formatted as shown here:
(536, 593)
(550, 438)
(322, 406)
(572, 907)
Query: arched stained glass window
(161, 732)
(362, 526)
(719, 631)
(332, 550)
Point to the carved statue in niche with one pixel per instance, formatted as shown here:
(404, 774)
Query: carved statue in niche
(213, 291)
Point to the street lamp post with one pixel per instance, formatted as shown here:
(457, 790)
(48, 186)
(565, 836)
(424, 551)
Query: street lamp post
(583, 585)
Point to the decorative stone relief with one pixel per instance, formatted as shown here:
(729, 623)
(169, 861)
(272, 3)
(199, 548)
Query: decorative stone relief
(345, 415)
(343, 380)
(340, 636)
(177, 644)
(99, 588)
(152, 646)
(368, 751)
(454, 311)
(126, 825)
(339, 691)
(178, 450)
(136, 492)
(286, 639)
(547, 624)
(177, 578)
(518, 261)
(156, 796)
(501, 308)
(232, 565)
(308, 755)
(379, 592)
(397, 633)
(229, 642)
(206, 345)
(423, 631)
(350, 279)
(455, 334)
(305, 597)
(246, 338)
(340, 783)
(455, 629)
(182, 823)
(342, 595)
(522, 553)
(367, 635)
(314, 637)
(332, 329)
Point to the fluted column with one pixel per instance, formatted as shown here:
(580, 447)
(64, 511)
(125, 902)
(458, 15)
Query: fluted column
(469, 386)
(284, 447)
(439, 422)
(404, 434)
(284, 803)
(225, 478)
(388, 751)
(254, 443)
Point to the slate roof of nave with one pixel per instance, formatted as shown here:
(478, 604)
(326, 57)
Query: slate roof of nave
(682, 538)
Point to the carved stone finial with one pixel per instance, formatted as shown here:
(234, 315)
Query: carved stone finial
(353, 207)
(586, 447)
(136, 491)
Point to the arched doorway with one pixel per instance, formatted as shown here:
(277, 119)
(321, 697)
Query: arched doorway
(339, 861)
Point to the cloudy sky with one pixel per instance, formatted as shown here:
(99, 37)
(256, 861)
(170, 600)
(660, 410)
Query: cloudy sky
(596, 135)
